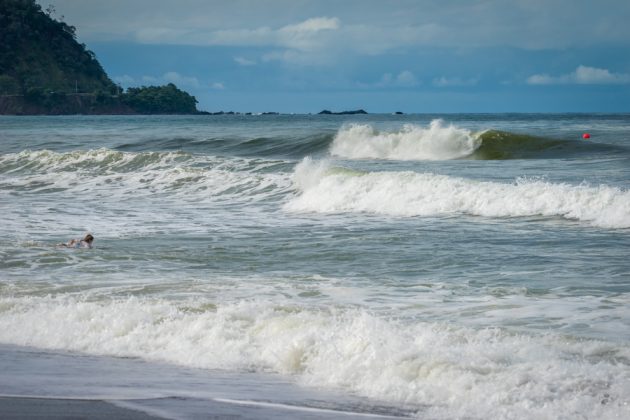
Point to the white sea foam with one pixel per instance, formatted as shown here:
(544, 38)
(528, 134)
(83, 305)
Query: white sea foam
(446, 371)
(129, 172)
(96, 160)
(427, 194)
(151, 187)
(435, 142)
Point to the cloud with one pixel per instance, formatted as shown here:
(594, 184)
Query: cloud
(168, 77)
(305, 35)
(406, 78)
(403, 79)
(583, 75)
(312, 25)
(316, 40)
(124, 80)
(244, 61)
(300, 57)
(454, 82)
(304, 42)
(217, 86)
(386, 24)
(178, 79)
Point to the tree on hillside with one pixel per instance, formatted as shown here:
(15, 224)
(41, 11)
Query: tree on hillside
(160, 100)
(42, 64)
(41, 54)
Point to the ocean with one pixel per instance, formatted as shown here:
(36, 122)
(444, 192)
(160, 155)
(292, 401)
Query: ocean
(436, 266)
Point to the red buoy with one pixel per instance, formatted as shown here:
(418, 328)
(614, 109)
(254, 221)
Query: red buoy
(586, 136)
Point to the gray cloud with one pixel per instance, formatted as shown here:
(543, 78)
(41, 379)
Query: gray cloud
(364, 26)
(404, 79)
(454, 81)
(244, 61)
(583, 75)
(168, 77)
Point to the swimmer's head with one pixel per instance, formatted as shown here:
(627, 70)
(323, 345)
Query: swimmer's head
(88, 238)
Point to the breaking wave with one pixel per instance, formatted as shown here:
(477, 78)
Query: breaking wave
(439, 141)
(328, 190)
(114, 175)
(425, 365)
(412, 142)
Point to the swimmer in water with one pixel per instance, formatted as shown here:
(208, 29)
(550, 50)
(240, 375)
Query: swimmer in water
(80, 243)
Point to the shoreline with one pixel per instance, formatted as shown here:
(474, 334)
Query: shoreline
(26, 407)
(40, 383)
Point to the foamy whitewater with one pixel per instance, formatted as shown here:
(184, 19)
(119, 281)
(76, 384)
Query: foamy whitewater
(412, 142)
(469, 266)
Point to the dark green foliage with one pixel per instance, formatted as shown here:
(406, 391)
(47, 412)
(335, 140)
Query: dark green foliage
(9, 85)
(43, 69)
(39, 52)
(160, 100)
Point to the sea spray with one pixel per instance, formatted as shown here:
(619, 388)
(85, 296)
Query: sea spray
(309, 172)
(426, 194)
(435, 142)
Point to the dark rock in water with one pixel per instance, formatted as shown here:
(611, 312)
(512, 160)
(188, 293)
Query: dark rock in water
(327, 112)
(399, 113)
(270, 113)
(224, 113)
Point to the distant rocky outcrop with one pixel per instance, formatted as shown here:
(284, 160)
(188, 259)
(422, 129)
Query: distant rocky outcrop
(240, 113)
(327, 112)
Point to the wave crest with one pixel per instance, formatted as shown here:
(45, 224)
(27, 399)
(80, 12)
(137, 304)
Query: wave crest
(113, 175)
(435, 142)
(438, 141)
(99, 160)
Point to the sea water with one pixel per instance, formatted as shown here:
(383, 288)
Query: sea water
(440, 266)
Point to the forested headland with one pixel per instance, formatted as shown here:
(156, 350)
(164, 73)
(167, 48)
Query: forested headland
(45, 70)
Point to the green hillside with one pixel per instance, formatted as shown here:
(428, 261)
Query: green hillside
(44, 70)
(39, 53)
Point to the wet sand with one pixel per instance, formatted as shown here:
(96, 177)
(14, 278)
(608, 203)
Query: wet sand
(44, 384)
(19, 408)
(49, 408)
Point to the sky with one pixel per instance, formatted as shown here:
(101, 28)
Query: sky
(424, 56)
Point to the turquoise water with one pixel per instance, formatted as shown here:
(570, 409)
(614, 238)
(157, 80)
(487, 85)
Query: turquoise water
(455, 265)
